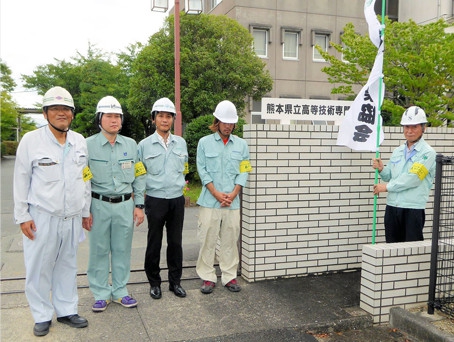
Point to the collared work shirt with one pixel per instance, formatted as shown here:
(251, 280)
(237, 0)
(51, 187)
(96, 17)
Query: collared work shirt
(113, 167)
(48, 175)
(410, 180)
(220, 164)
(165, 167)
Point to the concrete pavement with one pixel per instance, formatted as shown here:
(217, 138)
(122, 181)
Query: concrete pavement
(313, 308)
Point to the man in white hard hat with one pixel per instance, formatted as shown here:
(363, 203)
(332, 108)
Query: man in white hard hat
(223, 166)
(51, 204)
(409, 176)
(118, 186)
(166, 159)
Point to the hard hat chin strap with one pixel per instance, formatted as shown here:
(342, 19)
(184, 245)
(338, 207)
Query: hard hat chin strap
(59, 129)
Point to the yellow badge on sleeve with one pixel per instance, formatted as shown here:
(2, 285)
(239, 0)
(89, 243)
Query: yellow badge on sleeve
(139, 169)
(245, 166)
(420, 170)
(186, 168)
(86, 174)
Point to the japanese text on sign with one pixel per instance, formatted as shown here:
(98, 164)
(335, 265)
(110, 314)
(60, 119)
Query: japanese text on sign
(304, 109)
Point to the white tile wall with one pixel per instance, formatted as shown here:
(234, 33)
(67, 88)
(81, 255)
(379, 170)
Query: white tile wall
(308, 205)
(394, 274)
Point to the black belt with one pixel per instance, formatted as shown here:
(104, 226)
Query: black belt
(116, 199)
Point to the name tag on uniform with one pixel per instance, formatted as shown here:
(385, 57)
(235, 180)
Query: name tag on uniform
(126, 165)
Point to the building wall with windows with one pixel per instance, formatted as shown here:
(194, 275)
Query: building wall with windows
(424, 12)
(285, 33)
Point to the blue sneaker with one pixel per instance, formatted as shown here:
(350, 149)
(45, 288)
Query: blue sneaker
(127, 302)
(100, 305)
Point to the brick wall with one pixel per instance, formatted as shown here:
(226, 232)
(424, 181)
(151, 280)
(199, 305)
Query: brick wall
(308, 205)
(394, 274)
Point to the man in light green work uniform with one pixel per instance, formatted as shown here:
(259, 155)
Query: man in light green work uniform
(118, 186)
(223, 166)
(409, 176)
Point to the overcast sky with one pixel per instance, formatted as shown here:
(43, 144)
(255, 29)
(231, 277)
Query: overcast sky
(35, 32)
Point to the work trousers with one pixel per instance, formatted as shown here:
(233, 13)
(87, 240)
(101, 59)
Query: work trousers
(110, 248)
(51, 265)
(402, 225)
(168, 212)
(215, 225)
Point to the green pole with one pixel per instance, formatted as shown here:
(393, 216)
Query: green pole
(377, 152)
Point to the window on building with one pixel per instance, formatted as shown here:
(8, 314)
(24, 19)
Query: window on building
(391, 9)
(344, 48)
(290, 40)
(256, 112)
(214, 3)
(261, 37)
(320, 38)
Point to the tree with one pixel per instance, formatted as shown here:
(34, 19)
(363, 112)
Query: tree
(418, 68)
(216, 61)
(89, 78)
(10, 116)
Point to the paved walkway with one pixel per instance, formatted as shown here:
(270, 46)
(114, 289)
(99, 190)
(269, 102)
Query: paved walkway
(313, 308)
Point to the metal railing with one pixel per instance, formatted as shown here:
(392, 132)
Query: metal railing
(441, 286)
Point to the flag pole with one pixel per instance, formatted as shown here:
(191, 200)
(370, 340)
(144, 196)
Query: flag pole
(377, 152)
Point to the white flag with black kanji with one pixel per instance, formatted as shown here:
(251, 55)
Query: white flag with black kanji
(359, 127)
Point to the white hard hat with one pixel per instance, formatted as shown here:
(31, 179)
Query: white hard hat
(58, 96)
(226, 112)
(163, 105)
(413, 116)
(109, 104)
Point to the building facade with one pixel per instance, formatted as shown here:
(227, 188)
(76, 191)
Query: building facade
(286, 31)
(424, 12)
(285, 34)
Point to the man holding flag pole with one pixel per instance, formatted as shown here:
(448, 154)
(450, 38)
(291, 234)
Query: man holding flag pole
(410, 174)
(411, 170)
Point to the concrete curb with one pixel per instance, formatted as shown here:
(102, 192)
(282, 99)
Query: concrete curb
(417, 326)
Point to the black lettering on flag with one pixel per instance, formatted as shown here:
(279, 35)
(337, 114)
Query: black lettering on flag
(362, 133)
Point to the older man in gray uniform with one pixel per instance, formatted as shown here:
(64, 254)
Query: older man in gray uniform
(51, 195)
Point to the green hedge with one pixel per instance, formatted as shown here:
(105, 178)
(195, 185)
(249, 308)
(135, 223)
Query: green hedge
(9, 148)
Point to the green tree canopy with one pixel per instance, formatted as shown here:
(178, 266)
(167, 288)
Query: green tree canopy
(216, 62)
(89, 78)
(418, 68)
(9, 113)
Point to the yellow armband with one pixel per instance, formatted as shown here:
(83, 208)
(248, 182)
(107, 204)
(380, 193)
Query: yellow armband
(420, 170)
(245, 166)
(139, 169)
(86, 174)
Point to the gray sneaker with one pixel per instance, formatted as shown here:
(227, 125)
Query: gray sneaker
(207, 287)
(233, 286)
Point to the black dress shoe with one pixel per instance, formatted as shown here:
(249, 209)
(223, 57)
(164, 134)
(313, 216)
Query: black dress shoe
(74, 321)
(178, 290)
(155, 292)
(41, 329)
